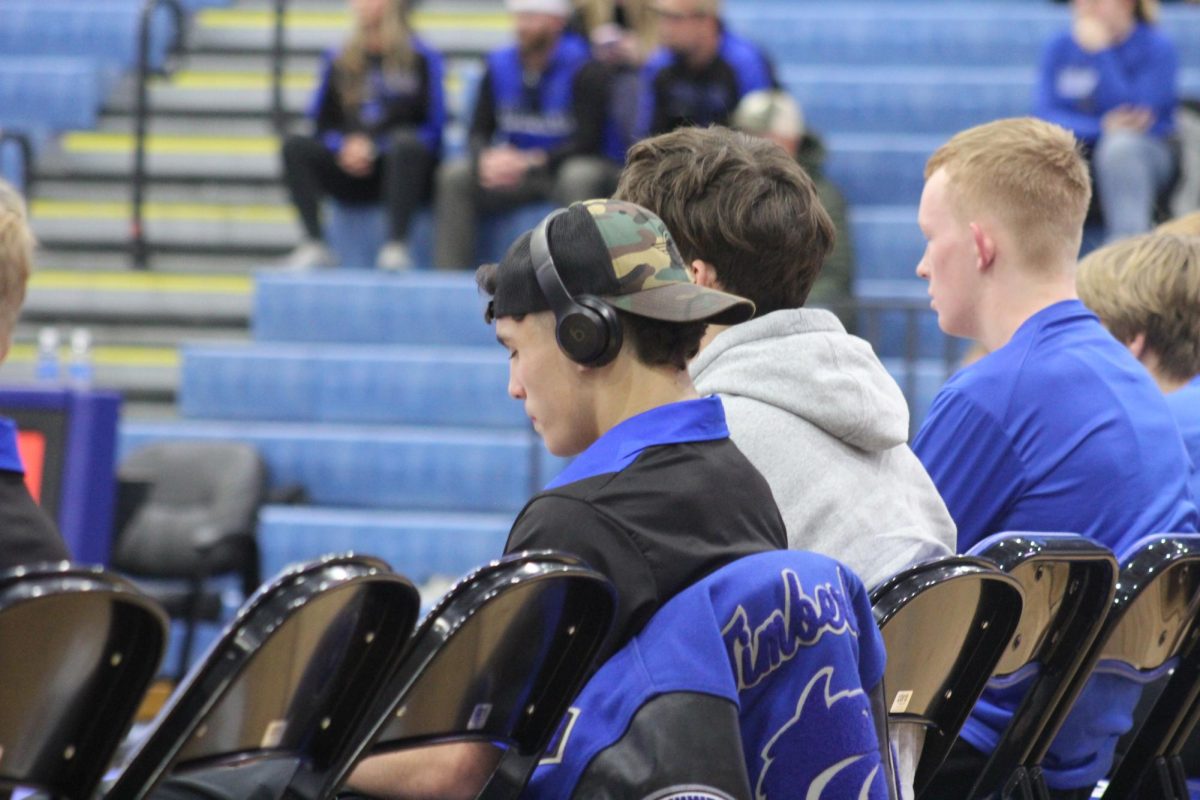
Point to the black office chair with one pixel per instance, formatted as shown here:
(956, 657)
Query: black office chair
(272, 707)
(197, 521)
(1068, 584)
(1153, 628)
(78, 648)
(499, 659)
(945, 623)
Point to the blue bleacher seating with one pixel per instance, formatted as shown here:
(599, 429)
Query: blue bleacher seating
(340, 383)
(104, 30)
(451, 469)
(46, 94)
(349, 307)
(421, 546)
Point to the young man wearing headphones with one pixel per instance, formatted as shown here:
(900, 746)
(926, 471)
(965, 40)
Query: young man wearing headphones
(599, 317)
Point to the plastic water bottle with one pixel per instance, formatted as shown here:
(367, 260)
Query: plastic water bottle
(79, 370)
(46, 368)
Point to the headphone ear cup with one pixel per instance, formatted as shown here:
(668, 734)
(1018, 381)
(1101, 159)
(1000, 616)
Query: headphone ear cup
(606, 325)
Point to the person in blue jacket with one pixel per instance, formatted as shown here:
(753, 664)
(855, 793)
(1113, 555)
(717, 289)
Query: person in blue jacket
(1111, 80)
(701, 71)
(378, 113)
(1058, 428)
(1146, 291)
(539, 131)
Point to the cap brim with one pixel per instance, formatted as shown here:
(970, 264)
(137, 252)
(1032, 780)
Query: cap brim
(685, 302)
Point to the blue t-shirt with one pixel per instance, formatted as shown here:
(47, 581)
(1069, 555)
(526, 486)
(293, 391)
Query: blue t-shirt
(1076, 88)
(1060, 430)
(789, 638)
(1185, 404)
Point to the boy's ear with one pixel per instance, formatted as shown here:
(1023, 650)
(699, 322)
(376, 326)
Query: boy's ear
(704, 274)
(1137, 345)
(985, 247)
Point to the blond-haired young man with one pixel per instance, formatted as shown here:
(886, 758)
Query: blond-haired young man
(26, 534)
(1146, 291)
(1058, 428)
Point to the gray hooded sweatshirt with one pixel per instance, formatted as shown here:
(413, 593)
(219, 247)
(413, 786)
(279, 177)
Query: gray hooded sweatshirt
(813, 408)
(816, 412)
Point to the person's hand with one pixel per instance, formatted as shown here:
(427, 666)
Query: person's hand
(357, 155)
(502, 167)
(614, 45)
(1128, 118)
(1091, 34)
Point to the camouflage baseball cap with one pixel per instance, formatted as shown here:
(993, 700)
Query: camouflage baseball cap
(621, 253)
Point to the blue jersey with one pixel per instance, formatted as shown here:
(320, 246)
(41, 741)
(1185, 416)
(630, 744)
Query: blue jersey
(1060, 430)
(674, 95)
(537, 117)
(789, 638)
(390, 99)
(1185, 405)
(1076, 88)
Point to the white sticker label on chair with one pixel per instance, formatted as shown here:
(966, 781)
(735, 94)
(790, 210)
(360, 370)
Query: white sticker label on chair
(900, 704)
(479, 716)
(273, 734)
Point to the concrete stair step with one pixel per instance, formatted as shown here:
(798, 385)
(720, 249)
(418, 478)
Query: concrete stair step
(206, 190)
(113, 297)
(258, 229)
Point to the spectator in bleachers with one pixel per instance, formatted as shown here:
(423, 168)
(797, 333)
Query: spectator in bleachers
(775, 115)
(1146, 291)
(658, 496)
(811, 406)
(1111, 79)
(378, 114)
(701, 71)
(622, 34)
(27, 534)
(1058, 427)
(537, 132)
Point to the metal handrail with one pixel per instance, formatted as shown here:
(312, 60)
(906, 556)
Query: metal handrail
(137, 232)
(278, 112)
(25, 145)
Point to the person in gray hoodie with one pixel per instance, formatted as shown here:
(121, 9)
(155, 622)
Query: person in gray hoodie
(810, 405)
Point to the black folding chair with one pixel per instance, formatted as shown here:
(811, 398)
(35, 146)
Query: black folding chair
(78, 648)
(945, 623)
(276, 698)
(1068, 582)
(499, 659)
(1153, 628)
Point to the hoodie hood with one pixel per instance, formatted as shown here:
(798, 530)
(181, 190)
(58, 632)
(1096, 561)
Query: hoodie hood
(803, 361)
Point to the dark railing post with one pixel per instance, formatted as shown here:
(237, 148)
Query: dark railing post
(278, 112)
(141, 109)
(26, 148)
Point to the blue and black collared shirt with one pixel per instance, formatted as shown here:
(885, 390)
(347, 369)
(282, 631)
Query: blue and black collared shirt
(655, 504)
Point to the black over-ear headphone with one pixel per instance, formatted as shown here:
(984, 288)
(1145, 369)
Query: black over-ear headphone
(587, 328)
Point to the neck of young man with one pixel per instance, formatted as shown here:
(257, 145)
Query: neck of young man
(1009, 304)
(634, 388)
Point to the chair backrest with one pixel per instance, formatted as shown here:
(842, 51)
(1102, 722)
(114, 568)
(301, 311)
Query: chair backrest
(498, 659)
(78, 648)
(1152, 628)
(198, 493)
(1068, 583)
(945, 624)
(776, 655)
(288, 679)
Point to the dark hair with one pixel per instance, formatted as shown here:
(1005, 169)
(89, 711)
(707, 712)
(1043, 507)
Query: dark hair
(740, 203)
(655, 343)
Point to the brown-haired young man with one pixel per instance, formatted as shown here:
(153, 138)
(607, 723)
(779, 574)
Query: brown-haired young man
(1058, 428)
(810, 405)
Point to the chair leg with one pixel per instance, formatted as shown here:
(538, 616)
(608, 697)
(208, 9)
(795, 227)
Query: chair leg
(191, 621)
